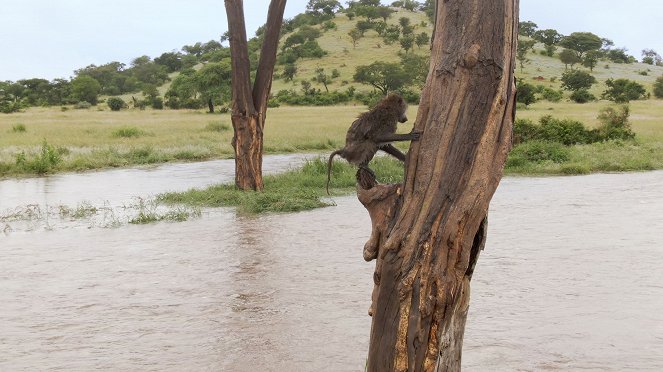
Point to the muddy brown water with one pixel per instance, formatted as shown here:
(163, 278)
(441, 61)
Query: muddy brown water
(571, 279)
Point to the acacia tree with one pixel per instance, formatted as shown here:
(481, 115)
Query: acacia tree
(427, 232)
(249, 104)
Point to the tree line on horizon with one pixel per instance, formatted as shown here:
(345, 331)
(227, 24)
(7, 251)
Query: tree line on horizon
(196, 87)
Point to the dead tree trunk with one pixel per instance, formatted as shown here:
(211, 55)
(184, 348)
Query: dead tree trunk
(428, 232)
(249, 105)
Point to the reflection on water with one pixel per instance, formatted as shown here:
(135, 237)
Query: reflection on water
(570, 279)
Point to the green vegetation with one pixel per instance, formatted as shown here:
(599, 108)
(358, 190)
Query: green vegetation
(116, 103)
(292, 191)
(19, 128)
(128, 132)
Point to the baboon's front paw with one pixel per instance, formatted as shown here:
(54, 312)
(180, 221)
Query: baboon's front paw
(416, 135)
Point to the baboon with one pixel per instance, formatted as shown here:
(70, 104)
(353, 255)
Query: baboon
(372, 131)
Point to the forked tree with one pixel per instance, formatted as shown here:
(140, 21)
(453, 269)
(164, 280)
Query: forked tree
(249, 103)
(429, 231)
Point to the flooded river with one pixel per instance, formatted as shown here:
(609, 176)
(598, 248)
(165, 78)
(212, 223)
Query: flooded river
(571, 279)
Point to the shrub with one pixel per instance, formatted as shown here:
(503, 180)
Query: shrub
(576, 80)
(116, 103)
(552, 95)
(538, 152)
(525, 93)
(623, 90)
(128, 132)
(658, 87)
(615, 124)
(157, 103)
(582, 96)
(525, 130)
(82, 105)
(47, 159)
(564, 131)
(19, 128)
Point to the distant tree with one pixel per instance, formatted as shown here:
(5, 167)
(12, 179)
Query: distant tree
(411, 5)
(384, 76)
(171, 60)
(619, 56)
(213, 81)
(379, 27)
(527, 28)
(363, 26)
(422, 39)
(650, 57)
(521, 52)
(590, 59)
(549, 38)
(404, 21)
(428, 7)
(289, 72)
(355, 35)
(525, 93)
(85, 88)
(575, 80)
(569, 57)
(623, 90)
(323, 78)
(391, 34)
(195, 50)
(581, 42)
(416, 66)
(658, 87)
(384, 13)
(323, 7)
(407, 41)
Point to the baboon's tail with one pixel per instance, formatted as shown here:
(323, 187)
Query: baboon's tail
(329, 166)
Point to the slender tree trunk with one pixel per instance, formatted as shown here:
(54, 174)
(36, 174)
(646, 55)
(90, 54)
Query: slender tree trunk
(428, 232)
(210, 105)
(249, 104)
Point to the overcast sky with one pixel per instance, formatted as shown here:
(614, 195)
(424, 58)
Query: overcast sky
(50, 39)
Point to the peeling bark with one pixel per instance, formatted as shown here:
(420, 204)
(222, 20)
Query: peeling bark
(249, 104)
(428, 232)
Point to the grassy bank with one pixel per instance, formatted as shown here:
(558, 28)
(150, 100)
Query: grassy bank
(43, 140)
(295, 190)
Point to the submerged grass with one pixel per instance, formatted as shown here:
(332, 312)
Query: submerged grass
(295, 190)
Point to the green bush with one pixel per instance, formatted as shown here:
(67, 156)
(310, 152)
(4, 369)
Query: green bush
(157, 103)
(582, 96)
(116, 103)
(658, 87)
(615, 124)
(538, 152)
(623, 90)
(19, 128)
(564, 131)
(46, 160)
(551, 95)
(525, 130)
(128, 132)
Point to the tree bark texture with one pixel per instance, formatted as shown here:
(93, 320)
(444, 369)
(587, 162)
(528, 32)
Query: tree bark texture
(428, 232)
(249, 104)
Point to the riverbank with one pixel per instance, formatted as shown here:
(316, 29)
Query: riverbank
(48, 140)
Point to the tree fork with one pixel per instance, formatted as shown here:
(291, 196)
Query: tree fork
(249, 105)
(428, 232)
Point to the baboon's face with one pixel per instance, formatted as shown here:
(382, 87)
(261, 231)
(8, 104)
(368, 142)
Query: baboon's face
(403, 117)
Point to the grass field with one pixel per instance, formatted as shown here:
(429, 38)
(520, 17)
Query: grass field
(93, 139)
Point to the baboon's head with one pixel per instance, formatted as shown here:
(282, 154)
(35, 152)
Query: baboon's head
(398, 105)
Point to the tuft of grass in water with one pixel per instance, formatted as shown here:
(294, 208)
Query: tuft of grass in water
(217, 126)
(293, 191)
(19, 128)
(128, 132)
(148, 212)
(83, 210)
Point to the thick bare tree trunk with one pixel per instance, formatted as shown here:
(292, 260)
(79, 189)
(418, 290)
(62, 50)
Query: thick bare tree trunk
(249, 105)
(428, 232)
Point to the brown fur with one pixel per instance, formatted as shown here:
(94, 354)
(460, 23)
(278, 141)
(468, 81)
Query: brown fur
(373, 131)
